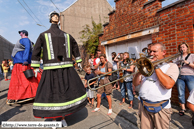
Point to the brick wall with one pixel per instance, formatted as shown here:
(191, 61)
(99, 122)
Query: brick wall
(131, 16)
(175, 24)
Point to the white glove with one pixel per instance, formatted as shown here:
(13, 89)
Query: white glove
(79, 65)
(36, 70)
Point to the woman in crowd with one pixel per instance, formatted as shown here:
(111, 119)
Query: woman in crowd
(91, 61)
(104, 67)
(186, 76)
(118, 59)
(114, 63)
(127, 83)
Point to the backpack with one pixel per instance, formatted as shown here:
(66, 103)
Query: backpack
(113, 76)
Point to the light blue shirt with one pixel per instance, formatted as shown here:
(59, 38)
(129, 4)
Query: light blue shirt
(102, 70)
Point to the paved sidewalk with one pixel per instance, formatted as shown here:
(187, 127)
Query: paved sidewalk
(131, 115)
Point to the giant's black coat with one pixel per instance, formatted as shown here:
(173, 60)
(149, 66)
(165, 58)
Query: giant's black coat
(60, 91)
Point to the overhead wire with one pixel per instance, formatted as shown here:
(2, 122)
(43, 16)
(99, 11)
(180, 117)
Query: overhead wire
(55, 5)
(30, 14)
(33, 13)
(27, 12)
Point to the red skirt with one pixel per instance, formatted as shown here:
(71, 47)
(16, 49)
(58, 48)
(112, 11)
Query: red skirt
(20, 87)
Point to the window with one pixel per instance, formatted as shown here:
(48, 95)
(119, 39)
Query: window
(167, 2)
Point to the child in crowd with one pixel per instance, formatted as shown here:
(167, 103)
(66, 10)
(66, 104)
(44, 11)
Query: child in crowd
(90, 94)
(11, 65)
(5, 70)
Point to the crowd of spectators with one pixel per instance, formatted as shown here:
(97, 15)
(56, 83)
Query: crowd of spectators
(99, 65)
(6, 65)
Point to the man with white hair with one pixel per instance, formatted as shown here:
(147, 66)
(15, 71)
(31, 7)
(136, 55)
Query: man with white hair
(155, 91)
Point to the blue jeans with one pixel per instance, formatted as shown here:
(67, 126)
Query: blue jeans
(180, 83)
(129, 90)
(41, 66)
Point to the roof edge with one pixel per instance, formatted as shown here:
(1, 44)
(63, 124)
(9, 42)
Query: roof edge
(105, 24)
(70, 6)
(99, 35)
(170, 5)
(109, 4)
(6, 39)
(111, 12)
(150, 2)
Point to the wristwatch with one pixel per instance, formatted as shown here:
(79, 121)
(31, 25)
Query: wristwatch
(156, 67)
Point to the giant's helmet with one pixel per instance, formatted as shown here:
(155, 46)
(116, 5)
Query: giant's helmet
(52, 14)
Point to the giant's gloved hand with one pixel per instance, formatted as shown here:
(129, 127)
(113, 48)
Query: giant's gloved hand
(79, 65)
(25, 63)
(36, 70)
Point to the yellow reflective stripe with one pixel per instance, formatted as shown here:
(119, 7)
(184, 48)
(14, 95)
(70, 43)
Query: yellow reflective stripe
(80, 60)
(35, 65)
(51, 46)
(60, 104)
(57, 67)
(68, 45)
(48, 47)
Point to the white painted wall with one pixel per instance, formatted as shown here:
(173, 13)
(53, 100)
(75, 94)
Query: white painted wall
(123, 47)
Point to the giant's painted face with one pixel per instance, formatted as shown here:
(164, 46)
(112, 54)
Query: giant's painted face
(55, 19)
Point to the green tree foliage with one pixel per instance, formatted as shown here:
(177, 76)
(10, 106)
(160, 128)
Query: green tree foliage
(89, 36)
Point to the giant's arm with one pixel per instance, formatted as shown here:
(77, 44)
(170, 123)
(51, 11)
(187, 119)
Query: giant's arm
(37, 52)
(27, 44)
(75, 50)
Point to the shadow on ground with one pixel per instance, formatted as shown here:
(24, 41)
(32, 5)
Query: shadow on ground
(105, 123)
(132, 115)
(3, 96)
(116, 95)
(80, 116)
(4, 90)
(10, 113)
(181, 122)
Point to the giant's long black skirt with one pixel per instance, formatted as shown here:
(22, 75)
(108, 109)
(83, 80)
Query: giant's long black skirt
(60, 93)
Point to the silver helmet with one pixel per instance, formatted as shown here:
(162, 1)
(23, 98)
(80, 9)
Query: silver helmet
(52, 14)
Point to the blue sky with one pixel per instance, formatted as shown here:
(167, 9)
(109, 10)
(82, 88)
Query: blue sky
(15, 18)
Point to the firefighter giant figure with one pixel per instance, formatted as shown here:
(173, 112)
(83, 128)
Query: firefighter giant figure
(60, 91)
